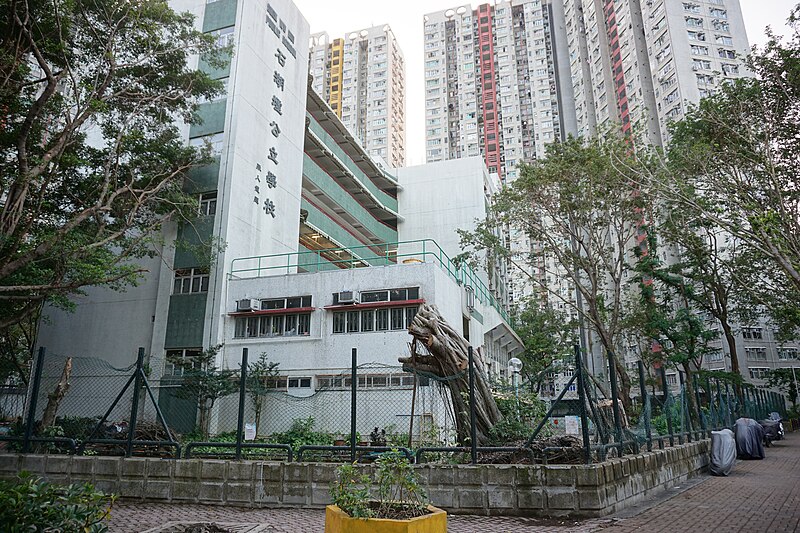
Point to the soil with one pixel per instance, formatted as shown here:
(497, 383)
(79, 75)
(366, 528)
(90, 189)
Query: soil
(397, 510)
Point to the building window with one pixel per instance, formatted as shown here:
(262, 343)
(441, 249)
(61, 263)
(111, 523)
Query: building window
(730, 70)
(715, 356)
(787, 354)
(298, 383)
(224, 36)
(182, 360)
(756, 354)
(694, 22)
(213, 141)
(389, 295)
(277, 325)
(370, 320)
(758, 372)
(189, 280)
(208, 203)
(368, 381)
(752, 333)
(339, 321)
(293, 302)
(398, 318)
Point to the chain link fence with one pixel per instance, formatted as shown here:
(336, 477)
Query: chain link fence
(85, 405)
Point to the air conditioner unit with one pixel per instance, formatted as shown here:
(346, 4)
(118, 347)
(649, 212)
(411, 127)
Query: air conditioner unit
(347, 297)
(248, 304)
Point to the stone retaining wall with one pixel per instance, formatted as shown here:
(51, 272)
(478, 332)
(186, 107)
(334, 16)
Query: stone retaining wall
(521, 490)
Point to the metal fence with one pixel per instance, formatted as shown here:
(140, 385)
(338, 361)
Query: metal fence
(86, 406)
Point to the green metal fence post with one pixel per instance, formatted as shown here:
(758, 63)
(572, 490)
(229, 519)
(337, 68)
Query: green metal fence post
(643, 394)
(587, 453)
(685, 415)
(35, 384)
(137, 387)
(242, 398)
(667, 413)
(472, 418)
(612, 372)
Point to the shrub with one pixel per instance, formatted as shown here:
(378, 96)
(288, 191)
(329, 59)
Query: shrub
(302, 434)
(30, 504)
(400, 495)
(351, 492)
(520, 413)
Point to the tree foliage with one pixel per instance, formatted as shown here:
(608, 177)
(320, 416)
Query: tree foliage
(92, 160)
(204, 383)
(259, 375)
(734, 160)
(785, 380)
(580, 206)
(548, 336)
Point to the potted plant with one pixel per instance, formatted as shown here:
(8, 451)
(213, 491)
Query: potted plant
(401, 505)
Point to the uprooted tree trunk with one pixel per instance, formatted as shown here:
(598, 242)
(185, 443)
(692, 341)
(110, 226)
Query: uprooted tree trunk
(445, 355)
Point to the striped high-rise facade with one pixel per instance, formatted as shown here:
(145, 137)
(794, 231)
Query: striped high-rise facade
(362, 78)
(494, 85)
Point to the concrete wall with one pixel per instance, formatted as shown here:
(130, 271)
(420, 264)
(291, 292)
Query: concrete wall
(517, 490)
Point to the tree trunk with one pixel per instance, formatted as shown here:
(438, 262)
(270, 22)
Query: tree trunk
(55, 397)
(731, 340)
(690, 396)
(445, 355)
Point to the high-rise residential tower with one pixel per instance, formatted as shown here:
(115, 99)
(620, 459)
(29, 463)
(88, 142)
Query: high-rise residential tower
(494, 84)
(639, 63)
(362, 78)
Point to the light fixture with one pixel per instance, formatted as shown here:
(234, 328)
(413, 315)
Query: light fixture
(470, 297)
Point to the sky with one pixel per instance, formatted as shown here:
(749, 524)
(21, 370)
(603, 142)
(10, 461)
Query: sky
(341, 17)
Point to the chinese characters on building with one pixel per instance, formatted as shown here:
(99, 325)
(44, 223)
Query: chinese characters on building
(267, 178)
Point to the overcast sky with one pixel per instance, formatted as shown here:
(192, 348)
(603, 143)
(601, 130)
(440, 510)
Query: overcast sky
(405, 17)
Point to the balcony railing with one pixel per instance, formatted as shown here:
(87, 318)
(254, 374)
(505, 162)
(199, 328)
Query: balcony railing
(393, 253)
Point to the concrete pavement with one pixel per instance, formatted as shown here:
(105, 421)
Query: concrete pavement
(758, 496)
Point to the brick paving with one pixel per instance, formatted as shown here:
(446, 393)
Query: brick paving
(758, 496)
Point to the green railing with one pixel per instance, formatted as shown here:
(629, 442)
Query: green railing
(393, 253)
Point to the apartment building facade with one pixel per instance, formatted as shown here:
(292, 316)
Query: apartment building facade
(493, 83)
(362, 78)
(639, 64)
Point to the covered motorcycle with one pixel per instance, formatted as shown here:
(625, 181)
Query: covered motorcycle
(772, 431)
(749, 439)
(723, 452)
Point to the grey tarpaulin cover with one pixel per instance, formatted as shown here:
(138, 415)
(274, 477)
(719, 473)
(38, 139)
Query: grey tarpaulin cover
(723, 452)
(749, 439)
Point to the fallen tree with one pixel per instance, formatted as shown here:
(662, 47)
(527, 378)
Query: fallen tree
(440, 351)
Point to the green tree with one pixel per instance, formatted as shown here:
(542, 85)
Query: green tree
(706, 271)
(734, 159)
(548, 336)
(580, 206)
(259, 375)
(785, 380)
(92, 161)
(204, 383)
(667, 316)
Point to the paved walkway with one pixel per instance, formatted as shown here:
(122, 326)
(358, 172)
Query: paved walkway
(758, 496)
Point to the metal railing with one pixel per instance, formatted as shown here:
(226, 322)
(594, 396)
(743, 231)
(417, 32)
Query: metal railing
(385, 254)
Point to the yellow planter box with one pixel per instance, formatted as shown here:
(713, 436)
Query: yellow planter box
(337, 521)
